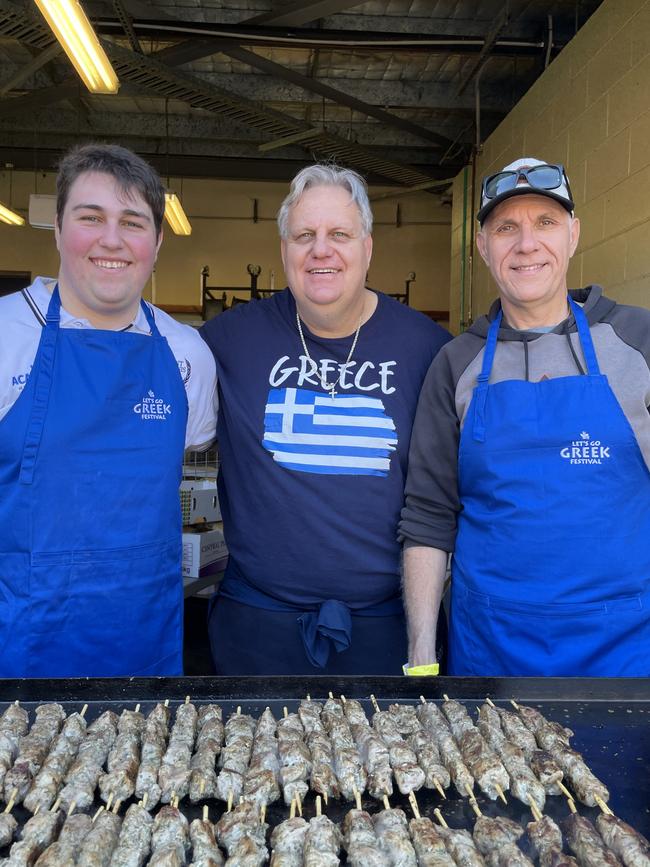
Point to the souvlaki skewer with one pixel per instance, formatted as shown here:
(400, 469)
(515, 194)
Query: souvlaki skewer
(288, 841)
(484, 764)
(154, 744)
(427, 840)
(48, 780)
(209, 740)
(435, 724)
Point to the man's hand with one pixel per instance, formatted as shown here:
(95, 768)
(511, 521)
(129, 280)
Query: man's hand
(422, 586)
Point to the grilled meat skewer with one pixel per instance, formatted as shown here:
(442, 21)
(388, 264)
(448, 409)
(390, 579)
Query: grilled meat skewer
(587, 844)
(631, 847)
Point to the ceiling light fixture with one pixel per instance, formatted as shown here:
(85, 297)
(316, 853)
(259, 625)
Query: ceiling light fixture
(11, 217)
(7, 215)
(74, 31)
(175, 215)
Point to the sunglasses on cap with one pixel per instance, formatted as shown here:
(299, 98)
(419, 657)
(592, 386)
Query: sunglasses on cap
(546, 177)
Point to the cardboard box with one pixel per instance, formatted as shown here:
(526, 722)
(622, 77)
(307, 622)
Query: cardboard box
(204, 553)
(199, 502)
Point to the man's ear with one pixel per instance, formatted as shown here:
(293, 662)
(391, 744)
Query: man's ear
(482, 246)
(575, 234)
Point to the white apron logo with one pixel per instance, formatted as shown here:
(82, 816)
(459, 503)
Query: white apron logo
(585, 451)
(152, 408)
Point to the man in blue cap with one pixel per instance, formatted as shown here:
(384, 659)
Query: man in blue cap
(530, 460)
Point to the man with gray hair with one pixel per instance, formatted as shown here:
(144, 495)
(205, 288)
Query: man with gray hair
(530, 460)
(318, 388)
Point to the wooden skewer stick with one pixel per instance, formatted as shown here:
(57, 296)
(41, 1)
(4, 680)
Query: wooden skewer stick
(318, 805)
(572, 806)
(534, 809)
(439, 789)
(514, 704)
(116, 807)
(72, 808)
(206, 813)
(55, 806)
(414, 805)
(603, 806)
(229, 804)
(187, 699)
(374, 703)
(166, 702)
(299, 804)
(238, 710)
(423, 699)
(202, 787)
(175, 802)
(109, 801)
(357, 798)
(477, 810)
(83, 710)
(285, 711)
(564, 790)
(308, 697)
(440, 817)
(489, 701)
(11, 801)
(292, 809)
(386, 802)
(137, 708)
(326, 799)
(330, 694)
(98, 812)
(262, 813)
(172, 797)
(470, 793)
(500, 793)
(145, 798)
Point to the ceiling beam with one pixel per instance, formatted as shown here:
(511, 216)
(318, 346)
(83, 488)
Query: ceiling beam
(37, 98)
(477, 64)
(30, 68)
(316, 86)
(301, 11)
(127, 25)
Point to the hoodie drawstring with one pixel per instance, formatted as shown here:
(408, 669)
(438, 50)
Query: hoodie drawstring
(581, 370)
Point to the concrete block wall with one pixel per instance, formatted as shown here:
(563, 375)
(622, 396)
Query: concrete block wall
(590, 110)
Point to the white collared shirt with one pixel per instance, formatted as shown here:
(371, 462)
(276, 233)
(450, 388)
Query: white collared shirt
(22, 315)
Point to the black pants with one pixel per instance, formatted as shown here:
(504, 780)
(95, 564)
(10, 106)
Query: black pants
(252, 641)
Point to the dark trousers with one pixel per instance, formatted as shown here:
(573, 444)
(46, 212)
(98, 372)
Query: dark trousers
(253, 641)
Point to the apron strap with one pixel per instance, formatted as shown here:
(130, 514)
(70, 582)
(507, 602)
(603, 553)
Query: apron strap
(480, 396)
(44, 373)
(151, 319)
(586, 340)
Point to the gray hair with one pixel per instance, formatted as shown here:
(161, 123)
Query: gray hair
(327, 175)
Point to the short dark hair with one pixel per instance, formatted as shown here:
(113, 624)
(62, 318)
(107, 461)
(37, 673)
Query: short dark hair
(129, 170)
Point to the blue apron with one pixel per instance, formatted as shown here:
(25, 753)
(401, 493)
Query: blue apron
(90, 526)
(551, 573)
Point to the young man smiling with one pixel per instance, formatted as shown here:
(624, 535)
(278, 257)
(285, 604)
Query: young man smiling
(100, 394)
(530, 460)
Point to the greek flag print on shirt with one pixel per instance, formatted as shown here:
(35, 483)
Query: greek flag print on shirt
(309, 432)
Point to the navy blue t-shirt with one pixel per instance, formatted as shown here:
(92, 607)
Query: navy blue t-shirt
(311, 487)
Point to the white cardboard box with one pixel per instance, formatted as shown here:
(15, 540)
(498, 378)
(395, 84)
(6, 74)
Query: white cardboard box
(199, 502)
(204, 553)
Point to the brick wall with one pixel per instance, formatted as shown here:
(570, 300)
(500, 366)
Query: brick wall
(591, 111)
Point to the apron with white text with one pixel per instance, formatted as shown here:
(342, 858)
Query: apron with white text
(90, 526)
(551, 573)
